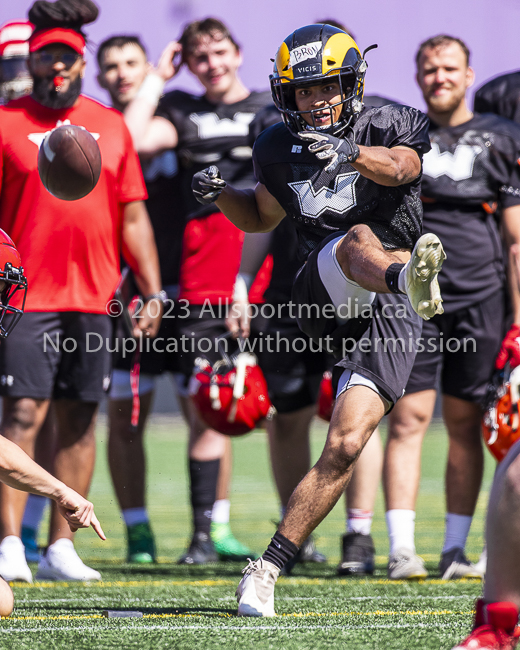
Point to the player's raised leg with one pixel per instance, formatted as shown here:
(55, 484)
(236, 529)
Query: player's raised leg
(356, 415)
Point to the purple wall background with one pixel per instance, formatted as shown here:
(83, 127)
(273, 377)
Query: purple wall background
(490, 29)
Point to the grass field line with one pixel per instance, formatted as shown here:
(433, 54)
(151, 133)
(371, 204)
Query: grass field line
(230, 628)
(225, 582)
(408, 612)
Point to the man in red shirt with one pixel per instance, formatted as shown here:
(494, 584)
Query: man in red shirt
(71, 255)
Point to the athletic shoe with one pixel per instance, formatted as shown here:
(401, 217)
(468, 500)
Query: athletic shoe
(494, 628)
(255, 592)
(29, 540)
(141, 544)
(422, 286)
(226, 545)
(200, 551)
(358, 555)
(13, 565)
(306, 553)
(481, 565)
(61, 562)
(405, 565)
(454, 565)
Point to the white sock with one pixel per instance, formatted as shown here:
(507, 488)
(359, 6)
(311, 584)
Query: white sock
(457, 530)
(133, 516)
(401, 280)
(359, 521)
(401, 529)
(220, 512)
(34, 510)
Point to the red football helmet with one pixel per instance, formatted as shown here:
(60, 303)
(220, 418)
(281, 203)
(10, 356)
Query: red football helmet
(501, 421)
(232, 395)
(326, 397)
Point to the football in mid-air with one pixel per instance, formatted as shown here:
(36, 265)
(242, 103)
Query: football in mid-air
(69, 162)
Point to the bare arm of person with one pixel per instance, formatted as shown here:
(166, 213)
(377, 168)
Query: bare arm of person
(511, 235)
(251, 210)
(140, 251)
(153, 134)
(254, 251)
(20, 472)
(389, 167)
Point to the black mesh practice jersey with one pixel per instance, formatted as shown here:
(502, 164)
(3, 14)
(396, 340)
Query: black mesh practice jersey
(470, 171)
(212, 134)
(164, 205)
(500, 96)
(321, 203)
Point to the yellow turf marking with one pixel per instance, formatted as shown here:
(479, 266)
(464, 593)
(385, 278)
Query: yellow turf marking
(231, 582)
(408, 612)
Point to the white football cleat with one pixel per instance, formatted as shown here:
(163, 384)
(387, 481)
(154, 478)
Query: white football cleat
(13, 565)
(255, 592)
(421, 271)
(404, 564)
(61, 562)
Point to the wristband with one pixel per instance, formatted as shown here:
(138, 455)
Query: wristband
(240, 291)
(161, 296)
(151, 89)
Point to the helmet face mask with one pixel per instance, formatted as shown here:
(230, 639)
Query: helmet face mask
(315, 55)
(15, 283)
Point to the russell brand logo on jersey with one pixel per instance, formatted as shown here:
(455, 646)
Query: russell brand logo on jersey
(339, 200)
(209, 125)
(458, 165)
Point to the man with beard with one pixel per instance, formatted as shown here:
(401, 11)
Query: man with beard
(71, 255)
(470, 172)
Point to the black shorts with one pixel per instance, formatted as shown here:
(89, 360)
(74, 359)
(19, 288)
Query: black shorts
(379, 341)
(460, 349)
(197, 337)
(57, 355)
(155, 357)
(292, 369)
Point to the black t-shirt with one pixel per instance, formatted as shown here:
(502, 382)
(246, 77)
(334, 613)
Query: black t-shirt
(166, 213)
(500, 96)
(321, 203)
(471, 169)
(212, 134)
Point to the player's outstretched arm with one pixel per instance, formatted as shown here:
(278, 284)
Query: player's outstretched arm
(20, 472)
(389, 167)
(153, 134)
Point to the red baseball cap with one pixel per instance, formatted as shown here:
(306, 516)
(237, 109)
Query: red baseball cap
(63, 35)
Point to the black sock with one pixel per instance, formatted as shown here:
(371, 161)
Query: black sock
(280, 550)
(203, 484)
(392, 277)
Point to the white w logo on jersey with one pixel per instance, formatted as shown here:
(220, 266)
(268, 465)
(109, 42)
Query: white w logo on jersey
(339, 200)
(210, 125)
(458, 166)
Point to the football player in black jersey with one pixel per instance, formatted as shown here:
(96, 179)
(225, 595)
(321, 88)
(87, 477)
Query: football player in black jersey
(471, 171)
(349, 178)
(203, 129)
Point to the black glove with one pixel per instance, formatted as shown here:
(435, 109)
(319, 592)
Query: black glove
(328, 147)
(207, 185)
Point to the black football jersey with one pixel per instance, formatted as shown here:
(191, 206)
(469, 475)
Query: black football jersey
(212, 134)
(470, 171)
(321, 203)
(164, 205)
(500, 96)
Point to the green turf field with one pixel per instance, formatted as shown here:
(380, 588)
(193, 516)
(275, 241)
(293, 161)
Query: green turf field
(194, 607)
